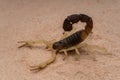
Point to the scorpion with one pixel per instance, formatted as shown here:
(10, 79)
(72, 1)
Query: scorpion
(70, 42)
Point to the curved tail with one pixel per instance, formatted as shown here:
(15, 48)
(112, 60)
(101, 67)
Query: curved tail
(70, 20)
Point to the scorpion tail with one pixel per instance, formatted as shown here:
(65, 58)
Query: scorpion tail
(75, 18)
(89, 22)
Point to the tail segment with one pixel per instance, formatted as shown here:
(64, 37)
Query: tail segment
(75, 18)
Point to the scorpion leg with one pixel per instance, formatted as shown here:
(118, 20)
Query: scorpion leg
(91, 48)
(69, 49)
(77, 51)
(65, 52)
(78, 54)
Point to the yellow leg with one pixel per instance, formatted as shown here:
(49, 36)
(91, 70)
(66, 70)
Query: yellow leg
(78, 54)
(65, 52)
(77, 51)
(94, 47)
(44, 64)
(69, 49)
(66, 55)
(91, 48)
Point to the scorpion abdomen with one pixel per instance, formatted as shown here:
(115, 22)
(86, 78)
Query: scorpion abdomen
(73, 39)
(70, 41)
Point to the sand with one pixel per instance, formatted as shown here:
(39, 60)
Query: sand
(43, 19)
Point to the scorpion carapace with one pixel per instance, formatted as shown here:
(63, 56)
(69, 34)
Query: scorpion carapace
(75, 18)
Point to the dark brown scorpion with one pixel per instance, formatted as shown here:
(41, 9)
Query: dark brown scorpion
(69, 43)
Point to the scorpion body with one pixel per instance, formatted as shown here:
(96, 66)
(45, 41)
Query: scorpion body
(65, 44)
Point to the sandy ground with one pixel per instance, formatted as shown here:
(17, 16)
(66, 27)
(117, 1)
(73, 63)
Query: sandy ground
(35, 19)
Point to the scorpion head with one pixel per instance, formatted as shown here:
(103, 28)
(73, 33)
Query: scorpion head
(59, 45)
